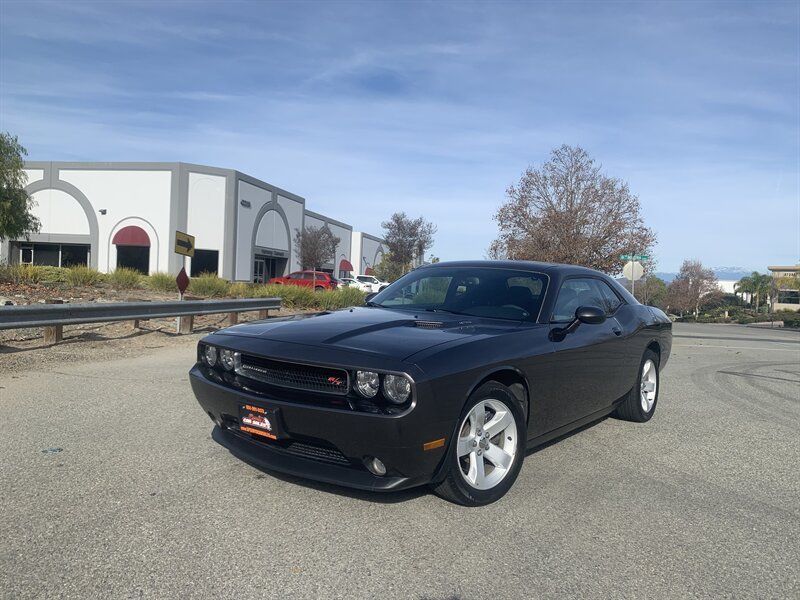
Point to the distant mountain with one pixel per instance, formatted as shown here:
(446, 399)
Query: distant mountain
(722, 273)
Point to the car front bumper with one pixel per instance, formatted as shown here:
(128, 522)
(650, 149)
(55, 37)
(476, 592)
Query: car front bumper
(348, 436)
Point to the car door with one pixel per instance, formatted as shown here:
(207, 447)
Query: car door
(588, 360)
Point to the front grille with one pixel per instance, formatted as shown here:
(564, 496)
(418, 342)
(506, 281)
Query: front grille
(315, 452)
(293, 375)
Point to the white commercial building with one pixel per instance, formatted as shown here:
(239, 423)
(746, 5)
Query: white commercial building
(111, 215)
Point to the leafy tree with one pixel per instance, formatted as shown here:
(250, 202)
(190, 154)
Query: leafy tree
(16, 218)
(758, 285)
(407, 238)
(315, 246)
(389, 269)
(652, 291)
(567, 211)
(692, 287)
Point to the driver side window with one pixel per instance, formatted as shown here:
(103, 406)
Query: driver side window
(574, 293)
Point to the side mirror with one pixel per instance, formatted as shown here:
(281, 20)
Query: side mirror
(591, 315)
(369, 297)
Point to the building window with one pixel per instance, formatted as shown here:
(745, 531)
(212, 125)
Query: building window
(73, 255)
(134, 257)
(788, 297)
(205, 261)
(26, 255)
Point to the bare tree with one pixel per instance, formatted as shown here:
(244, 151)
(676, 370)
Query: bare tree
(567, 211)
(407, 238)
(315, 246)
(692, 286)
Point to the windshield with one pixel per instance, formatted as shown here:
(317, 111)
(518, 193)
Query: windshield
(481, 292)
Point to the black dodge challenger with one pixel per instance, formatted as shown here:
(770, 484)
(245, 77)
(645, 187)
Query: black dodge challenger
(443, 378)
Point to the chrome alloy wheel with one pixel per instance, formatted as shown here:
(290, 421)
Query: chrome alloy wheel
(487, 444)
(648, 390)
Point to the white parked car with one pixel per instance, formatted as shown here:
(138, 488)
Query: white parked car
(350, 282)
(375, 284)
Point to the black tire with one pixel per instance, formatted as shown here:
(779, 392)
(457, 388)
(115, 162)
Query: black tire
(455, 487)
(319, 288)
(631, 408)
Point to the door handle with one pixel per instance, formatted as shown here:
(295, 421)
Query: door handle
(617, 331)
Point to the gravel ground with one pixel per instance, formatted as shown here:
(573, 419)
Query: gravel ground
(112, 488)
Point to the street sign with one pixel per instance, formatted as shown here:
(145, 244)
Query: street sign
(182, 280)
(184, 243)
(634, 257)
(633, 270)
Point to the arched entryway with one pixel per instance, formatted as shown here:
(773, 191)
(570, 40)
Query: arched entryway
(133, 249)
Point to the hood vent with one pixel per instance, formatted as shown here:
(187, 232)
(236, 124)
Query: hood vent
(429, 324)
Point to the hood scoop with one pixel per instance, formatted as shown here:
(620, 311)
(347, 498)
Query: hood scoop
(428, 324)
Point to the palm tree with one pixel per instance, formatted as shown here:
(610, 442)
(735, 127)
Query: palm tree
(757, 285)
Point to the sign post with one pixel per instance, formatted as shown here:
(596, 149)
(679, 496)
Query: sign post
(184, 245)
(633, 269)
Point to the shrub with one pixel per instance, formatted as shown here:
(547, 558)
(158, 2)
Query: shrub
(241, 290)
(81, 275)
(209, 285)
(341, 298)
(20, 274)
(52, 274)
(125, 279)
(162, 282)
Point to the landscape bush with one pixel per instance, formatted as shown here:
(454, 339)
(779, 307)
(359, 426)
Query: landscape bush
(162, 282)
(208, 285)
(81, 276)
(124, 279)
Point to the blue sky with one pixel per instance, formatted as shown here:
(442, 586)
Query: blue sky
(434, 108)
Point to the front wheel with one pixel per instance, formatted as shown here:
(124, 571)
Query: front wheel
(485, 455)
(639, 404)
(319, 288)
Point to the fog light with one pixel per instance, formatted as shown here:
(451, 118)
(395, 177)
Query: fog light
(226, 358)
(375, 466)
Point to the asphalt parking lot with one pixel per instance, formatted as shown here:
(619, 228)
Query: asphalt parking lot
(112, 488)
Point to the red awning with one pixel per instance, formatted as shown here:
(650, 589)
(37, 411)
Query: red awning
(345, 265)
(369, 271)
(131, 236)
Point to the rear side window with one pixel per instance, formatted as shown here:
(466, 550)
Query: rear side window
(575, 293)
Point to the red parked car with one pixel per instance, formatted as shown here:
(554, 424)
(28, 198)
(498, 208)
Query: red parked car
(317, 280)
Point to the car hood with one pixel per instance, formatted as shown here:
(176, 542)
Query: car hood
(393, 333)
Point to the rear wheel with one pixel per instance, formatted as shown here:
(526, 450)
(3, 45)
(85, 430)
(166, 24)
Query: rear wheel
(639, 404)
(486, 453)
(319, 288)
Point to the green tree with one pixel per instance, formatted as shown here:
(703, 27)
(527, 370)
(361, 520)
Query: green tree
(758, 285)
(407, 238)
(651, 291)
(16, 218)
(389, 269)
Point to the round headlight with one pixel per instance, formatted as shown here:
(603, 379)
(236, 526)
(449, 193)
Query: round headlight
(396, 388)
(367, 383)
(210, 355)
(226, 359)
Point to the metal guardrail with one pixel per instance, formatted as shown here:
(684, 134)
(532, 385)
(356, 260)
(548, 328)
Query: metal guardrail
(49, 315)
(53, 315)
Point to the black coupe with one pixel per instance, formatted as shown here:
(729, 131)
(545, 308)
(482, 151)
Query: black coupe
(443, 378)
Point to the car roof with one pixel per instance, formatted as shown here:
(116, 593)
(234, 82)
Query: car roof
(525, 265)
